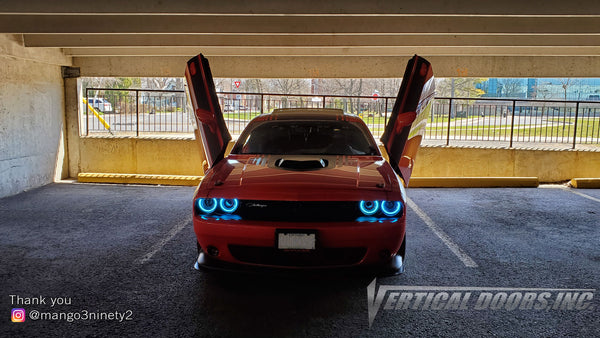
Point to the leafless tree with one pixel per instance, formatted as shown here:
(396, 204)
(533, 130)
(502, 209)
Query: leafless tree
(567, 83)
(511, 87)
(288, 86)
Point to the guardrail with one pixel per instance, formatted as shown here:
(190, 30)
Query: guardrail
(138, 112)
(515, 120)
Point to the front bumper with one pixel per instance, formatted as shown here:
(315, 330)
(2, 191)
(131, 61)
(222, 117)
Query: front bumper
(394, 266)
(235, 244)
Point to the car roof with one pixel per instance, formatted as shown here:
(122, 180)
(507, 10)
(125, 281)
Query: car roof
(307, 114)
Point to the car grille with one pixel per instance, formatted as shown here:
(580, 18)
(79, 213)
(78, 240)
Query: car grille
(295, 211)
(320, 257)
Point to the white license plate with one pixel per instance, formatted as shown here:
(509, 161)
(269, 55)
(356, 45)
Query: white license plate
(296, 241)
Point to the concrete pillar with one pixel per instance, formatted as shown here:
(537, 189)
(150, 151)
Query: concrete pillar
(72, 93)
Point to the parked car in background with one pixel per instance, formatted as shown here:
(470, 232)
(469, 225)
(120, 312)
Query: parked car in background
(101, 104)
(229, 107)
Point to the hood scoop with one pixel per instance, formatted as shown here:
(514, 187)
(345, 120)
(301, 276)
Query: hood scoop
(301, 165)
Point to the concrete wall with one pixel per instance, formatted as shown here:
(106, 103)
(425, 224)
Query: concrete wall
(31, 116)
(547, 165)
(182, 157)
(154, 156)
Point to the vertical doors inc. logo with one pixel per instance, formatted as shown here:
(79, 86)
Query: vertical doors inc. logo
(451, 298)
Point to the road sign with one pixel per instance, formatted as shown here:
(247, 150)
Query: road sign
(237, 84)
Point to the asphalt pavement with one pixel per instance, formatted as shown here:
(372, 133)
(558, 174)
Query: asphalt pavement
(122, 256)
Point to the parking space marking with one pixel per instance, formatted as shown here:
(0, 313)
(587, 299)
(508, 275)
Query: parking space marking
(571, 190)
(583, 195)
(464, 258)
(160, 244)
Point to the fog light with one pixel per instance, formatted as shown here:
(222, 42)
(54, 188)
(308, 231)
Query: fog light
(212, 251)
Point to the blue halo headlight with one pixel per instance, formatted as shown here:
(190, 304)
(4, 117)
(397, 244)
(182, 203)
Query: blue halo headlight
(368, 208)
(228, 205)
(207, 205)
(391, 208)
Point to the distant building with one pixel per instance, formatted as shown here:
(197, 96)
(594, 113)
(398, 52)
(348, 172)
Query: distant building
(531, 87)
(577, 89)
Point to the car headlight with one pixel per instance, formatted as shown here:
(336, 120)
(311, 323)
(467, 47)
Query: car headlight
(229, 205)
(387, 208)
(391, 208)
(207, 205)
(368, 208)
(217, 206)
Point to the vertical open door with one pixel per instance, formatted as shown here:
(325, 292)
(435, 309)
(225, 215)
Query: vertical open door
(209, 118)
(406, 126)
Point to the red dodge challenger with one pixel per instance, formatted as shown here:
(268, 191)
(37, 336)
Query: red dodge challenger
(306, 188)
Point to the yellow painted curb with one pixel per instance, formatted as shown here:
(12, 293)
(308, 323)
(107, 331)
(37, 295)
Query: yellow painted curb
(586, 183)
(139, 179)
(473, 182)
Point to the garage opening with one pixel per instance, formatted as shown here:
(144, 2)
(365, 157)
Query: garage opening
(497, 111)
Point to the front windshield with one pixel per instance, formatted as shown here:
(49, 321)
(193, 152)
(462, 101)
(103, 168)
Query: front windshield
(306, 138)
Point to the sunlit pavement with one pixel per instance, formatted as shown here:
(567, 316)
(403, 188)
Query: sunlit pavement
(129, 250)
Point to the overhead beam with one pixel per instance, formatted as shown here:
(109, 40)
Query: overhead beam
(256, 24)
(505, 7)
(11, 47)
(337, 51)
(344, 67)
(246, 40)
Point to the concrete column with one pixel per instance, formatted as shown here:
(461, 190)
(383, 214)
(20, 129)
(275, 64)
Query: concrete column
(72, 93)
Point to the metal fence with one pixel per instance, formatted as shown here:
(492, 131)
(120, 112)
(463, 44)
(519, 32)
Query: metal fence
(136, 112)
(515, 120)
(507, 121)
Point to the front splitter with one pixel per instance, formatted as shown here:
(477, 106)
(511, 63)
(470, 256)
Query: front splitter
(394, 267)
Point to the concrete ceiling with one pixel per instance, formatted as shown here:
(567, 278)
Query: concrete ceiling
(338, 38)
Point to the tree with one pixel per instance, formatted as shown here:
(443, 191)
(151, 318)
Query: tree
(388, 87)
(346, 87)
(567, 83)
(254, 85)
(97, 82)
(459, 87)
(542, 90)
(162, 83)
(511, 87)
(110, 83)
(288, 86)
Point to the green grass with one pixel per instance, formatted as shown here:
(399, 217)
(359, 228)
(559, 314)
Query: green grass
(480, 131)
(588, 125)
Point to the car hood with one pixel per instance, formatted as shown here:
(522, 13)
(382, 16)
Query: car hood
(283, 177)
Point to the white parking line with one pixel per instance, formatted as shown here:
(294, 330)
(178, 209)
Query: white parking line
(464, 258)
(583, 195)
(571, 190)
(158, 246)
